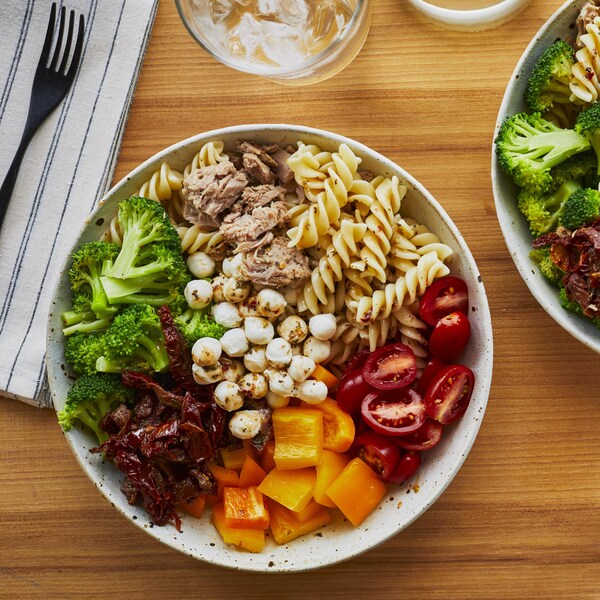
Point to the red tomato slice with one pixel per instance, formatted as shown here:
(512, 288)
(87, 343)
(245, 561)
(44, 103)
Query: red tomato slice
(393, 413)
(450, 336)
(357, 361)
(449, 393)
(409, 464)
(391, 367)
(433, 366)
(442, 297)
(351, 391)
(378, 451)
(426, 437)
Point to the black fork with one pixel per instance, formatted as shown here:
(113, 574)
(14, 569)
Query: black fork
(50, 85)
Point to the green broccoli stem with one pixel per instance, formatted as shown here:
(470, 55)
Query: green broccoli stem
(595, 142)
(159, 358)
(92, 414)
(72, 317)
(87, 327)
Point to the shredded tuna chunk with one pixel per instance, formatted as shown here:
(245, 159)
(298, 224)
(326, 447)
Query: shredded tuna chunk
(251, 226)
(587, 14)
(276, 265)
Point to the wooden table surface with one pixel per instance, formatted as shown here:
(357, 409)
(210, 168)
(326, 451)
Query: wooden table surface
(522, 517)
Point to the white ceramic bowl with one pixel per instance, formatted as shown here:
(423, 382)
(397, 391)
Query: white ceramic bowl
(477, 19)
(339, 540)
(512, 222)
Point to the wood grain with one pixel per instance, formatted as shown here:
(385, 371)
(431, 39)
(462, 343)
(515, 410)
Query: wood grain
(522, 518)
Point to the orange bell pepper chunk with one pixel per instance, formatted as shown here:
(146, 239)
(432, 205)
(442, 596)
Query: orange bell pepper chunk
(356, 491)
(327, 377)
(252, 473)
(293, 489)
(287, 525)
(250, 539)
(298, 436)
(245, 508)
(266, 459)
(224, 477)
(338, 426)
(332, 464)
(194, 507)
(233, 458)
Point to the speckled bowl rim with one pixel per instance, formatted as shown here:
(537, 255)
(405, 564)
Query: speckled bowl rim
(305, 552)
(512, 223)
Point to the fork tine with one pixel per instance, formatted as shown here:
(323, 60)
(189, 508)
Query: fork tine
(78, 48)
(49, 33)
(65, 59)
(59, 39)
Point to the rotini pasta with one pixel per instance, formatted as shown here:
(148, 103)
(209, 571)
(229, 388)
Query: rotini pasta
(584, 85)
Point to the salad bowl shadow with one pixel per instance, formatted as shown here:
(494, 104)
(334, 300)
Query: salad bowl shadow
(339, 540)
(512, 223)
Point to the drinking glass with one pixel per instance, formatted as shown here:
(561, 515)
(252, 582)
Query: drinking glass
(294, 42)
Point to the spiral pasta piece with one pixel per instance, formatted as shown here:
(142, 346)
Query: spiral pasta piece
(162, 184)
(193, 239)
(210, 154)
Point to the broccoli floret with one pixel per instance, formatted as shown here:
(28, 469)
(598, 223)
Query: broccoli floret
(582, 206)
(82, 350)
(542, 212)
(90, 398)
(134, 341)
(588, 124)
(89, 261)
(549, 270)
(145, 226)
(528, 146)
(549, 80)
(159, 279)
(580, 168)
(82, 317)
(196, 324)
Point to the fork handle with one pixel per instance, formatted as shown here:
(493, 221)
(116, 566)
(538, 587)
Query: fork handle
(11, 177)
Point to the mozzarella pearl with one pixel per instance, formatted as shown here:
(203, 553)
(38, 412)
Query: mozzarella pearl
(258, 330)
(198, 293)
(248, 308)
(235, 291)
(228, 396)
(233, 370)
(245, 424)
(279, 352)
(227, 315)
(280, 383)
(226, 268)
(217, 285)
(312, 391)
(293, 329)
(323, 327)
(301, 368)
(234, 342)
(208, 374)
(201, 265)
(206, 351)
(254, 385)
(270, 304)
(276, 401)
(318, 350)
(235, 266)
(256, 360)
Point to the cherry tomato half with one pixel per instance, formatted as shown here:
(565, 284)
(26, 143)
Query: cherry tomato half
(442, 297)
(391, 367)
(378, 451)
(450, 336)
(424, 438)
(357, 361)
(393, 413)
(351, 391)
(409, 464)
(433, 366)
(449, 393)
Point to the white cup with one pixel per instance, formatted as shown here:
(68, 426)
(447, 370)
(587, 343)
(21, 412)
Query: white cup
(476, 19)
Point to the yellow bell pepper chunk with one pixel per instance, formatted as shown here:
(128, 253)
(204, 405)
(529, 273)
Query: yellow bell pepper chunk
(293, 489)
(356, 491)
(233, 458)
(245, 508)
(298, 436)
(250, 539)
(338, 426)
(287, 525)
(331, 466)
(327, 377)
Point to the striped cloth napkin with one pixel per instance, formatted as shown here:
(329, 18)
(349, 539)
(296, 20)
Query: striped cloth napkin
(67, 169)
